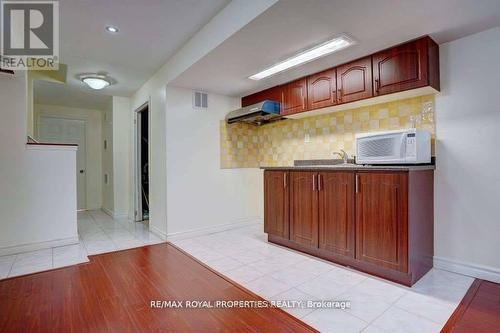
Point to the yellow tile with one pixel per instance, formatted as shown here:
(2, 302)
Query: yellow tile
(382, 113)
(374, 124)
(384, 123)
(243, 145)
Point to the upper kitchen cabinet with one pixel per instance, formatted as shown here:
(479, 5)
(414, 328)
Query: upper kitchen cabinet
(392, 73)
(354, 81)
(408, 66)
(321, 89)
(273, 94)
(294, 97)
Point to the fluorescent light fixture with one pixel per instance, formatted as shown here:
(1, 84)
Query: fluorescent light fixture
(95, 81)
(316, 52)
(111, 29)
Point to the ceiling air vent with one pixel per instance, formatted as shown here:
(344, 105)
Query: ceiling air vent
(200, 100)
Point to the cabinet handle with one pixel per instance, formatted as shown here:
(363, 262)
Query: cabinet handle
(357, 183)
(319, 182)
(339, 95)
(284, 180)
(377, 85)
(314, 182)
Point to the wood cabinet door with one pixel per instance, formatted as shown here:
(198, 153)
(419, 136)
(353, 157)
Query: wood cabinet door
(304, 208)
(276, 203)
(382, 219)
(336, 212)
(354, 81)
(321, 89)
(273, 94)
(294, 97)
(401, 68)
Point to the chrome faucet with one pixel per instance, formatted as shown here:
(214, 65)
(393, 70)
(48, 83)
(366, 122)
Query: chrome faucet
(343, 155)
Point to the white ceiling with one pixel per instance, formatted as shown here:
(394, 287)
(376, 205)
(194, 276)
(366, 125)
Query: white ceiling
(292, 25)
(150, 31)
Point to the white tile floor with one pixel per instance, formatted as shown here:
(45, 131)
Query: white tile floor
(98, 232)
(277, 273)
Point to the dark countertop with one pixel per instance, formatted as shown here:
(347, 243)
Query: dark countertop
(353, 167)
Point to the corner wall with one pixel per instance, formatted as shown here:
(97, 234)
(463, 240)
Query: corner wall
(117, 124)
(122, 158)
(467, 185)
(37, 184)
(107, 160)
(232, 18)
(201, 195)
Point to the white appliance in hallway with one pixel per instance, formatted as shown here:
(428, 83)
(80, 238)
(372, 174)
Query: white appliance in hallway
(59, 130)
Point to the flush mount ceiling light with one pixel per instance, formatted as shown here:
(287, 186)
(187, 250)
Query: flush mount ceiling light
(95, 81)
(111, 29)
(328, 47)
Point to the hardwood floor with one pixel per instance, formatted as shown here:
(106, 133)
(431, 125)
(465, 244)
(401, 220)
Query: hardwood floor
(112, 293)
(479, 311)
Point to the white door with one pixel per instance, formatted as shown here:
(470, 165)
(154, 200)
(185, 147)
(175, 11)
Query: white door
(57, 130)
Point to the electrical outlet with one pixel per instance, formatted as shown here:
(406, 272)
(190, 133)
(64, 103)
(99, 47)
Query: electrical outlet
(307, 138)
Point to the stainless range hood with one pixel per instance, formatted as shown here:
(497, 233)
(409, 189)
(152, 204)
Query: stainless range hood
(256, 114)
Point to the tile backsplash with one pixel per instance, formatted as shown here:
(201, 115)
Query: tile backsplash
(317, 137)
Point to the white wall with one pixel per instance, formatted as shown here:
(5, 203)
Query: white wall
(232, 18)
(37, 200)
(199, 193)
(107, 159)
(117, 125)
(467, 184)
(122, 157)
(93, 138)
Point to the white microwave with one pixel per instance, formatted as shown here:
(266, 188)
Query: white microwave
(408, 146)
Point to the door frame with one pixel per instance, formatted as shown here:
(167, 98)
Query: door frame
(137, 214)
(85, 130)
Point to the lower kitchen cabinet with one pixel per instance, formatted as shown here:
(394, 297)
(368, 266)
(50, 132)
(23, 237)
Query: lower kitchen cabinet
(381, 219)
(276, 204)
(336, 212)
(304, 208)
(380, 222)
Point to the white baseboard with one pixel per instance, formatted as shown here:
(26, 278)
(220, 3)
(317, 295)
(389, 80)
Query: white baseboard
(158, 232)
(114, 214)
(212, 229)
(38, 246)
(478, 271)
(108, 211)
(120, 216)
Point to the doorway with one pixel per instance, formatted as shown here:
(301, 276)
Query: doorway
(142, 163)
(60, 130)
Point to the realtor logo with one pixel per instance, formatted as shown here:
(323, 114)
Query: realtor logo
(30, 35)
